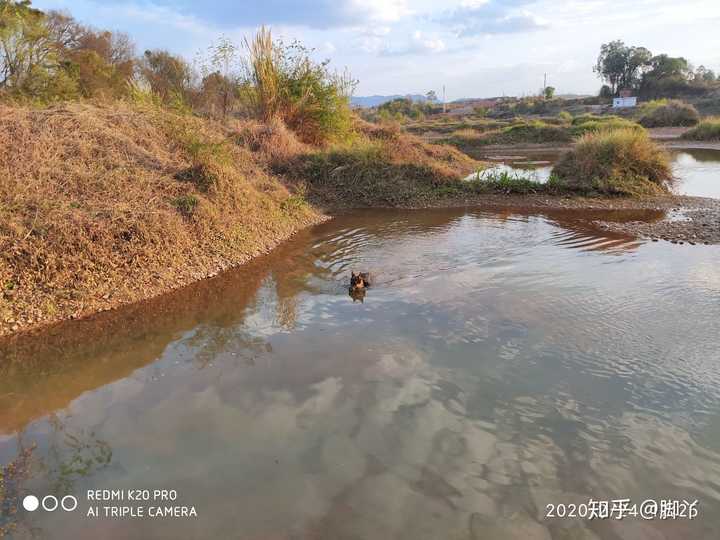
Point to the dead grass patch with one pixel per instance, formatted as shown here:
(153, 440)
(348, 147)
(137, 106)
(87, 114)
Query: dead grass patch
(102, 205)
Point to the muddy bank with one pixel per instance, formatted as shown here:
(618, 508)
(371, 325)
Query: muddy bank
(148, 287)
(677, 219)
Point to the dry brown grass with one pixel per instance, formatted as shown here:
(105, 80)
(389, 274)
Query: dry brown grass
(383, 166)
(101, 205)
(615, 162)
(272, 140)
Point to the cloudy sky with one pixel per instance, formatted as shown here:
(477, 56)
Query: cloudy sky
(476, 48)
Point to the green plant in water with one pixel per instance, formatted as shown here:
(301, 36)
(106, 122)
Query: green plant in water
(505, 182)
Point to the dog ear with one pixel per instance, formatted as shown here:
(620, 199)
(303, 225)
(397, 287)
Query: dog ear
(353, 274)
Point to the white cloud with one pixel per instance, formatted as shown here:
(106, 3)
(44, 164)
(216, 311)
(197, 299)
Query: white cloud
(492, 17)
(418, 43)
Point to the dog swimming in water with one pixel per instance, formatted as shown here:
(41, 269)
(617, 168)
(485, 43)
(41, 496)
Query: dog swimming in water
(358, 284)
(358, 281)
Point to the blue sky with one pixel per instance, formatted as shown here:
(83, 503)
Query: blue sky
(475, 48)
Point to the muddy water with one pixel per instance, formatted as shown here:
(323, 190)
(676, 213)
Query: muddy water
(697, 171)
(503, 361)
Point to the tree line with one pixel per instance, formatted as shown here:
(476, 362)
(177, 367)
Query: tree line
(650, 76)
(50, 56)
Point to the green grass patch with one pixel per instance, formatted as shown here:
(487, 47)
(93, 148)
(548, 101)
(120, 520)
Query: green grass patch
(185, 204)
(296, 201)
(547, 131)
(707, 130)
(507, 182)
(534, 132)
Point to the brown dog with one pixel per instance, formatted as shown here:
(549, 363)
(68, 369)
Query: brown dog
(361, 280)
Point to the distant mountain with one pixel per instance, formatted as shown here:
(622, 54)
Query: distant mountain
(374, 101)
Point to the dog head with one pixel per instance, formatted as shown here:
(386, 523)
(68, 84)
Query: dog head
(357, 281)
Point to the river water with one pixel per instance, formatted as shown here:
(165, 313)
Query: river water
(502, 361)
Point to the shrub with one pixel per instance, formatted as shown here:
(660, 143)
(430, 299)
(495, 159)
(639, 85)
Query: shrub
(565, 116)
(382, 166)
(283, 82)
(665, 113)
(620, 161)
(707, 130)
(186, 204)
(209, 161)
(593, 124)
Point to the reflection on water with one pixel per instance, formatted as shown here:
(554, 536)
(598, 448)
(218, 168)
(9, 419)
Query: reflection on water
(697, 170)
(501, 361)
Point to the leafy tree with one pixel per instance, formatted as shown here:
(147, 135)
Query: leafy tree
(29, 62)
(51, 56)
(168, 76)
(668, 76)
(103, 61)
(705, 75)
(431, 96)
(221, 77)
(622, 66)
(549, 92)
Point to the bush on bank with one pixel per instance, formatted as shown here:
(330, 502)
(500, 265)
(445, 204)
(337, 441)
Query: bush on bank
(668, 113)
(615, 162)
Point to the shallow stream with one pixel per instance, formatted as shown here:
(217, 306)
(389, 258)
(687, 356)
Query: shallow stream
(501, 362)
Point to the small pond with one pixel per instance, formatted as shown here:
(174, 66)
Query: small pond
(502, 361)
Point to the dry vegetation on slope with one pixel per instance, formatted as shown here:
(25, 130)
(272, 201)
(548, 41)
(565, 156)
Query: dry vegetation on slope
(382, 166)
(105, 205)
(108, 205)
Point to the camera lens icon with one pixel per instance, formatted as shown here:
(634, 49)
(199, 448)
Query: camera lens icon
(68, 503)
(31, 503)
(50, 503)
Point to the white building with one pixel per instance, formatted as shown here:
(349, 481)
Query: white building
(624, 101)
